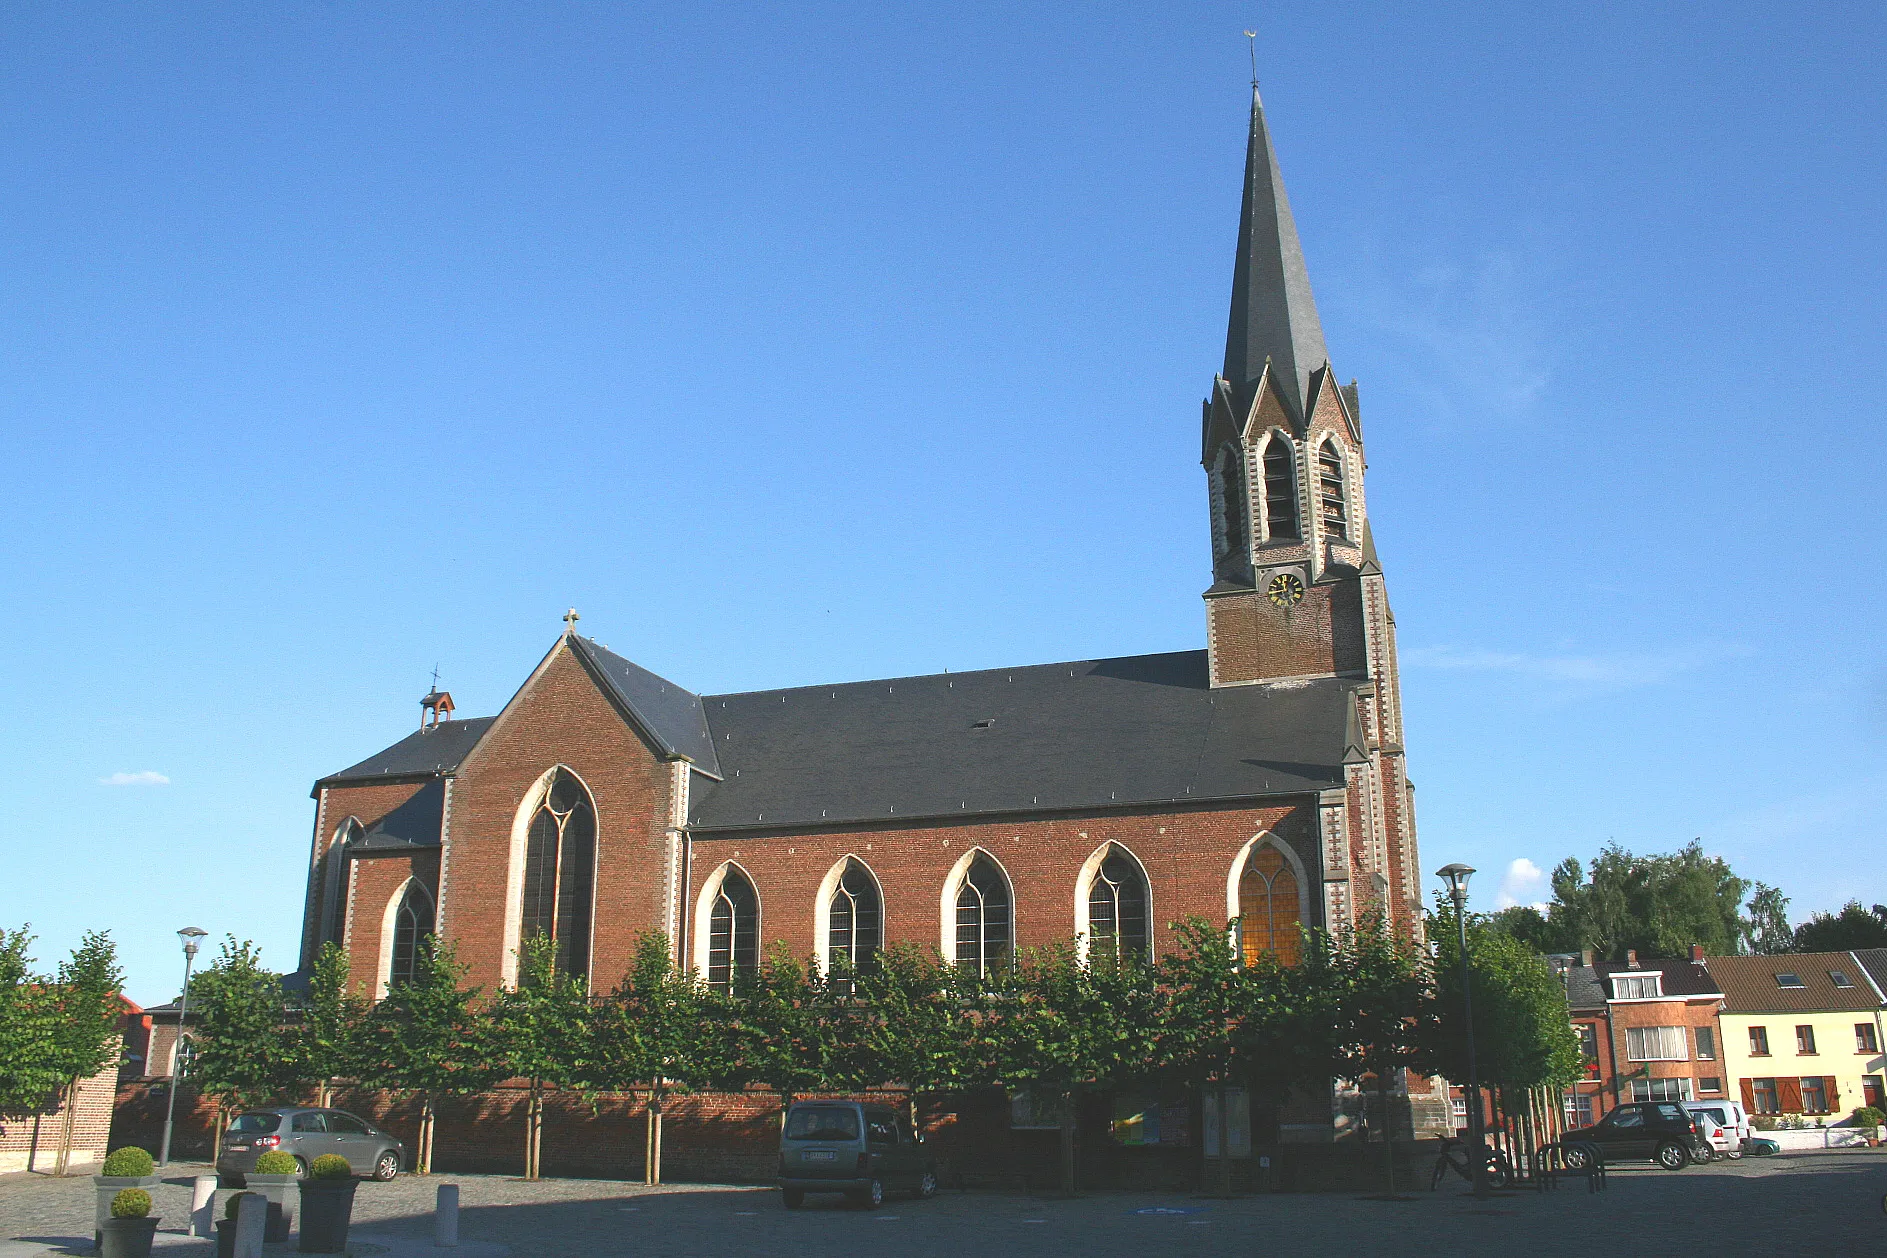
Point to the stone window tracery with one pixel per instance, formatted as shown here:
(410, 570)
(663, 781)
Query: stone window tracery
(560, 873)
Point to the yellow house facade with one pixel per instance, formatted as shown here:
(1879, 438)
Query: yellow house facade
(1803, 1034)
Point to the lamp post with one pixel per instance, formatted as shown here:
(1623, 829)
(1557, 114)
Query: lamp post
(1456, 876)
(189, 935)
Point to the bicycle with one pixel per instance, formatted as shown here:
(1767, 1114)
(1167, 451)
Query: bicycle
(1500, 1171)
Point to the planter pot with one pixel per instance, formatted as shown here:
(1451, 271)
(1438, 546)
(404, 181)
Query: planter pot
(226, 1238)
(127, 1238)
(110, 1186)
(276, 1189)
(327, 1205)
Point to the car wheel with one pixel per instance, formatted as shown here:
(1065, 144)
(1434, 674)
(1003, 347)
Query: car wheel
(387, 1167)
(927, 1185)
(871, 1196)
(793, 1198)
(301, 1168)
(1577, 1159)
(1672, 1157)
(1734, 1154)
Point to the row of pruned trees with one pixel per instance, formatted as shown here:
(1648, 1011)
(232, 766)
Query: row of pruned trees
(56, 1030)
(1361, 1005)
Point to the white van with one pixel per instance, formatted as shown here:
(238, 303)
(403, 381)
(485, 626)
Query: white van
(1731, 1125)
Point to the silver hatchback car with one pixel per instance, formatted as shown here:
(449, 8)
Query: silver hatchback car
(306, 1134)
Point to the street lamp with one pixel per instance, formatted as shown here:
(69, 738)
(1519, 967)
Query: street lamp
(189, 935)
(1456, 876)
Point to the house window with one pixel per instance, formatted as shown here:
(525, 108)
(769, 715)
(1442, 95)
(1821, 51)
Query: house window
(1268, 913)
(1872, 1093)
(1459, 1107)
(1660, 1090)
(1655, 1043)
(1637, 986)
(1706, 1044)
(733, 929)
(1865, 1040)
(854, 919)
(1763, 1091)
(1839, 978)
(1117, 909)
(1786, 979)
(1814, 1095)
(559, 872)
(1336, 510)
(983, 921)
(1759, 1041)
(1588, 1035)
(1805, 1041)
(1579, 1109)
(1710, 1083)
(1280, 490)
(412, 922)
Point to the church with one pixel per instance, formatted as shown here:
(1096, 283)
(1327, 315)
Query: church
(1260, 778)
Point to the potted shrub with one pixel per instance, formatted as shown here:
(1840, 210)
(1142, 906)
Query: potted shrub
(327, 1205)
(226, 1226)
(1869, 1119)
(129, 1230)
(274, 1174)
(129, 1167)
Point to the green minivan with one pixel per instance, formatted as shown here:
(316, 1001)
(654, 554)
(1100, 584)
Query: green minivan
(847, 1147)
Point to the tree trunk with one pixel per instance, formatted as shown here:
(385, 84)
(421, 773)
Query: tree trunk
(69, 1102)
(533, 1129)
(1068, 1143)
(324, 1095)
(423, 1165)
(1388, 1131)
(217, 1123)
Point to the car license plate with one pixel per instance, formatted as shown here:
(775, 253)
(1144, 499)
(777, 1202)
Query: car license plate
(239, 1148)
(822, 1155)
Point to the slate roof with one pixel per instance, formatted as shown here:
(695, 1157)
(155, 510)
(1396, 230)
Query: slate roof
(669, 715)
(412, 825)
(431, 752)
(1749, 983)
(1681, 978)
(1583, 988)
(1874, 961)
(1140, 729)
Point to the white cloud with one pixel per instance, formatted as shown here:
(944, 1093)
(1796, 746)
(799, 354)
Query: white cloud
(144, 777)
(1617, 669)
(1522, 878)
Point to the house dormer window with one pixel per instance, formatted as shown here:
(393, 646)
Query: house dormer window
(1785, 979)
(1637, 987)
(1840, 978)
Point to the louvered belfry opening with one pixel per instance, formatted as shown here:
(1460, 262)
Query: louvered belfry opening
(1336, 506)
(983, 918)
(1280, 492)
(1232, 498)
(855, 919)
(1118, 926)
(560, 873)
(733, 929)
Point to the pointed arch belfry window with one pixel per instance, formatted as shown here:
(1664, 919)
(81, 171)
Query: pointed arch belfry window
(1280, 489)
(1118, 925)
(1233, 500)
(855, 919)
(412, 923)
(984, 923)
(733, 929)
(1334, 500)
(560, 872)
(1269, 911)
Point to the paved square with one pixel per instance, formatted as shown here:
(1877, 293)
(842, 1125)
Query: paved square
(1827, 1204)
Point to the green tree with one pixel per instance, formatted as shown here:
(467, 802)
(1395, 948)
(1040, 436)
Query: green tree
(1766, 930)
(544, 1033)
(1067, 1028)
(88, 1012)
(29, 1072)
(649, 1032)
(429, 1039)
(241, 1054)
(1657, 905)
(1853, 927)
(775, 1027)
(325, 1037)
(920, 1024)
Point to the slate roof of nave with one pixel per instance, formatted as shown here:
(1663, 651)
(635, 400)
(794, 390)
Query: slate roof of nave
(1111, 733)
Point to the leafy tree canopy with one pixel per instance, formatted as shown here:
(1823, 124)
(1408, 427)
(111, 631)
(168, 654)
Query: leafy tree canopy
(29, 1069)
(241, 1055)
(1620, 901)
(1522, 1027)
(1852, 927)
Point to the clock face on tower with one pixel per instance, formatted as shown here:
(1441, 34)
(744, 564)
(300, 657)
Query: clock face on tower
(1285, 590)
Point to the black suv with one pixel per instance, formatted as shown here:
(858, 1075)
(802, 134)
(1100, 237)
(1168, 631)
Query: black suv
(1660, 1131)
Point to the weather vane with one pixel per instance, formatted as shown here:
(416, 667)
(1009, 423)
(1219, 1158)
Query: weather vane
(1251, 38)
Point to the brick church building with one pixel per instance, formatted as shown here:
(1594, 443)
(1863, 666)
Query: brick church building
(1261, 777)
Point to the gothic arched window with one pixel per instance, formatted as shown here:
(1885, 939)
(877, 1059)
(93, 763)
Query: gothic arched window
(1268, 912)
(733, 929)
(855, 918)
(560, 872)
(1232, 500)
(412, 922)
(1336, 503)
(1280, 490)
(984, 941)
(334, 884)
(1117, 909)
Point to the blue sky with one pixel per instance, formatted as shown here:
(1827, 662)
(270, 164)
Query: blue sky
(796, 343)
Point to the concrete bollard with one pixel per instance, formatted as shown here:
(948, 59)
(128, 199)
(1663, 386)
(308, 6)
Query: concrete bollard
(251, 1217)
(203, 1206)
(445, 1217)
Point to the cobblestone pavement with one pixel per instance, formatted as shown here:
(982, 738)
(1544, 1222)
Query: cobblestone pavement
(1828, 1204)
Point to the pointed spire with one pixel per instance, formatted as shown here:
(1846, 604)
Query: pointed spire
(1274, 315)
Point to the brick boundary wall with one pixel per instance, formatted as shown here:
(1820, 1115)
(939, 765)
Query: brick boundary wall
(32, 1143)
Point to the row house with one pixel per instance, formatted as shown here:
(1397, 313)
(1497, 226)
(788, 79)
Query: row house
(1802, 1033)
(1648, 1030)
